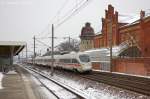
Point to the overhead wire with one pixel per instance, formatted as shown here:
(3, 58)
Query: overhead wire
(43, 31)
(58, 12)
(72, 12)
(67, 16)
(42, 43)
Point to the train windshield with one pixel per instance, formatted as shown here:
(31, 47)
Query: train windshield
(84, 58)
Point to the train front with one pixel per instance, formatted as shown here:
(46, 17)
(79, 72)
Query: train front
(85, 62)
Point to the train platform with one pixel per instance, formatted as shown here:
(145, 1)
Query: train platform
(21, 85)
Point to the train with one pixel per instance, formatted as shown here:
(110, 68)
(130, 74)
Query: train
(83, 61)
(79, 62)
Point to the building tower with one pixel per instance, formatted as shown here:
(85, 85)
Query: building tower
(87, 37)
(110, 26)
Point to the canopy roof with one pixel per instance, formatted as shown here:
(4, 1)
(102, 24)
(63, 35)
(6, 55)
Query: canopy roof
(11, 47)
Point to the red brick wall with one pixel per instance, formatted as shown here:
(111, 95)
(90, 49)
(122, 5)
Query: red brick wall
(138, 66)
(145, 26)
(139, 31)
(96, 65)
(98, 41)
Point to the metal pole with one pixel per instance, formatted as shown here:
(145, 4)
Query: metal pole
(73, 43)
(34, 51)
(11, 55)
(26, 53)
(69, 43)
(19, 58)
(111, 68)
(52, 52)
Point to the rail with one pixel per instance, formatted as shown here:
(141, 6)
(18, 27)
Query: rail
(78, 93)
(129, 82)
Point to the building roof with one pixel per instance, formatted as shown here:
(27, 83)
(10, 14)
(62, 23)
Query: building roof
(12, 43)
(134, 21)
(129, 20)
(6, 47)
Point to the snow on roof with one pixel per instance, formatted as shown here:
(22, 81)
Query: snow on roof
(129, 19)
(98, 33)
(147, 13)
(12, 43)
(17, 47)
(132, 20)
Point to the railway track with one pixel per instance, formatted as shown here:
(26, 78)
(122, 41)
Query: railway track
(77, 94)
(133, 83)
(129, 82)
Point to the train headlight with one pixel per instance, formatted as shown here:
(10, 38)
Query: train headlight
(82, 65)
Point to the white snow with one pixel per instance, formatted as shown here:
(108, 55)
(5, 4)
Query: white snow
(1, 77)
(129, 20)
(123, 73)
(59, 91)
(94, 93)
(94, 89)
(12, 72)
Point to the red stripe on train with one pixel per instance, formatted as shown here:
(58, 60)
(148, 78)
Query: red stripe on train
(76, 65)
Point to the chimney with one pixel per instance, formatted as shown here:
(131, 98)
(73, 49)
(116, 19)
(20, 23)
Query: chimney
(109, 7)
(110, 11)
(116, 15)
(142, 14)
(106, 14)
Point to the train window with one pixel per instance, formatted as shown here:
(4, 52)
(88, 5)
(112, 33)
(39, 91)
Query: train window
(65, 60)
(75, 61)
(84, 58)
(61, 60)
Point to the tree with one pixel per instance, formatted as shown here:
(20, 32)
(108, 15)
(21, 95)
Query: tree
(73, 45)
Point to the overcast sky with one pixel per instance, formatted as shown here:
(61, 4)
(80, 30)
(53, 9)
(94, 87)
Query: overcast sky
(22, 19)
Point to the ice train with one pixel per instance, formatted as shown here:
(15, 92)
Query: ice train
(72, 61)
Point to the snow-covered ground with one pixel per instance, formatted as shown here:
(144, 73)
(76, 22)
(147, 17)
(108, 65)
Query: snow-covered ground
(95, 89)
(59, 91)
(1, 77)
(12, 72)
(124, 74)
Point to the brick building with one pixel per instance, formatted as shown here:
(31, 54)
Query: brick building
(136, 33)
(87, 37)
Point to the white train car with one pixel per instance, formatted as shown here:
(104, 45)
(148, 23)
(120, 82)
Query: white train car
(73, 61)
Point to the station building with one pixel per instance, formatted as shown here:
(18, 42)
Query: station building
(135, 33)
(87, 37)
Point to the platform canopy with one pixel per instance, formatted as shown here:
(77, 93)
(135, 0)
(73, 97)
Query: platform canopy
(11, 47)
(8, 49)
